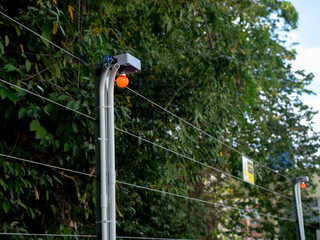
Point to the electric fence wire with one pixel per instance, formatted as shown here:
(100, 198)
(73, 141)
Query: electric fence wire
(83, 236)
(205, 133)
(308, 225)
(146, 188)
(145, 140)
(138, 186)
(200, 130)
(204, 201)
(122, 237)
(46, 165)
(62, 235)
(149, 189)
(37, 34)
(201, 163)
(49, 235)
(46, 99)
(132, 185)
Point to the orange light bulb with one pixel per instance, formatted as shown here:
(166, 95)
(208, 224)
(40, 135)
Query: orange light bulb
(122, 81)
(303, 185)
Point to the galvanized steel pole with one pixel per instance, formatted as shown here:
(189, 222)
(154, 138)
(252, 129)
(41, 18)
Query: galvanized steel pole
(109, 103)
(298, 205)
(107, 155)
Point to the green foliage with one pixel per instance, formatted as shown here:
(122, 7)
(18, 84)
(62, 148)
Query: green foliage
(218, 65)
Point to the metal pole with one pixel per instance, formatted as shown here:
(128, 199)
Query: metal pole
(103, 157)
(298, 206)
(107, 155)
(111, 150)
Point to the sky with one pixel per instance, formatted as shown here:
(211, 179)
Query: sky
(308, 51)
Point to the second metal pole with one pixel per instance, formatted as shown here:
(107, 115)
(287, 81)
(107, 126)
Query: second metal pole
(298, 205)
(111, 151)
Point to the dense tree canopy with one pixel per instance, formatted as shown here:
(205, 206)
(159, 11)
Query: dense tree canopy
(219, 65)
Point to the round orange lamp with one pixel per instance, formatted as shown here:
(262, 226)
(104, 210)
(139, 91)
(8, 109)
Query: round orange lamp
(303, 185)
(122, 81)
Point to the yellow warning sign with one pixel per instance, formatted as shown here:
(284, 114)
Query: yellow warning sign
(248, 171)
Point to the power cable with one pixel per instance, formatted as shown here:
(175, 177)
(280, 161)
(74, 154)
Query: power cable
(37, 34)
(209, 135)
(203, 201)
(46, 165)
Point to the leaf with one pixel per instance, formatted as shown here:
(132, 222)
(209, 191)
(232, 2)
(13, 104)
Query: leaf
(1, 48)
(75, 150)
(34, 125)
(28, 65)
(41, 132)
(6, 39)
(70, 10)
(2, 183)
(70, 104)
(50, 107)
(33, 216)
(74, 127)
(66, 147)
(55, 69)
(46, 31)
(57, 179)
(22, 204)
(57, 143)
(36, 193)
(6, 207)
(21, 47)
(54, 28)
(9, 112)
(47, 195)
(9, 67)
(6, 93)
(22, 113)
(40, 88)
(76, 106)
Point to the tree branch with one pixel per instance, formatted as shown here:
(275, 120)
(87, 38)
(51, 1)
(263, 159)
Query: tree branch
(209, 33)
(43, 70)
(72, 178)
(177, 93)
